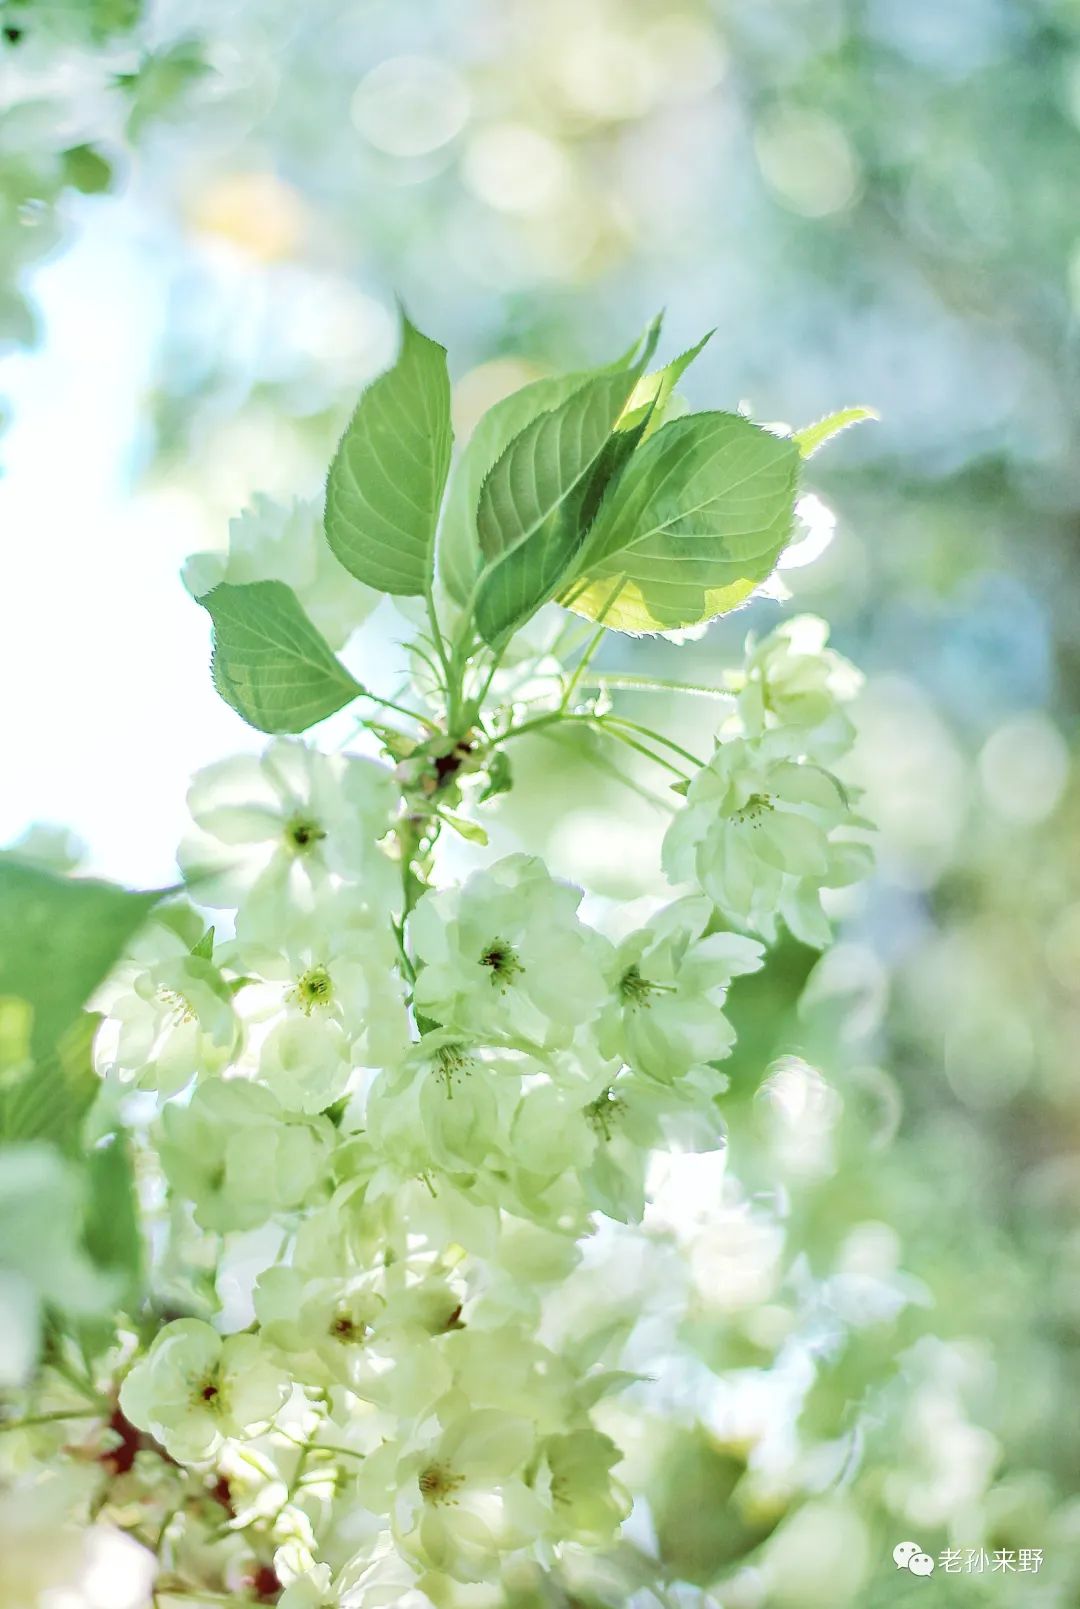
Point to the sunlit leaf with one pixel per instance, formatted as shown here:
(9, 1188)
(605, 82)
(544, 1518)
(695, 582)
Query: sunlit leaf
(472, 831)
(460, 556)
(697, 521)
(52, 1097)
(59, 936)
(112, 1226)
(539, 499)
(386, 481)
(270, 664)
(811, 437)
(459, 544)
(647, 403)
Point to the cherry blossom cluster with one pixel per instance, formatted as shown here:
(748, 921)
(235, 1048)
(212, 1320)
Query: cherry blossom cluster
(380, 1116)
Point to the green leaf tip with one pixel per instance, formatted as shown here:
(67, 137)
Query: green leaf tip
(811, 438)
(385, 485)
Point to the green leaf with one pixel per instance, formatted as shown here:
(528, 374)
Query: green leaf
(386, 481)
(85, 168)
(204, 949)
(649, 399)
(270, 664)
(59, 937)
(16, 1022)
(460, 558)
(161, 82)
(111, 1230)
(472, 831)
(539, 499)
(697, 521)
(499, 774)
(52, 1098)
(459, 545)
(811, 437)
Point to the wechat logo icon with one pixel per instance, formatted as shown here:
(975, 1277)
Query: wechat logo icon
(910, 1556)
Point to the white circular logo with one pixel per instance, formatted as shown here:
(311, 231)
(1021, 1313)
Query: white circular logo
(910, 1556)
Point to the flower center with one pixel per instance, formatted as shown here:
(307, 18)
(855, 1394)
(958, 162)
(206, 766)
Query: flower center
(501, 960)
(602, 1114)
(314, 988)
(302, 833)
(180, 1009)
(452, 1063)
(438, 1484)
(208, 1391)
(634, 989)
(757, 806)
(347, 1330)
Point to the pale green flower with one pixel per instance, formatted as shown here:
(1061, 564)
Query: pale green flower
(446, 1108)
(459, 1501)
(669, 985)
(339, 1331)
(587, 1506)
(506, 955)
(194, 1389)
(273, 541)
(313, 1590)
(173, 1022)
(238, 1156)
(379, 1578)
(332, 965)
(450, 1212)
(762, 835)
(790, 680)
(322, 1326)
(549, 1134)
(506, 1368)
(601, 1140)
(273, 830)
(432, 1306)
(305, 1062)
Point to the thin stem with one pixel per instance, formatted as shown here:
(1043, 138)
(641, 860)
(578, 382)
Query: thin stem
(166, 1522)
(602, 725)
(582, 665)
(331, 1447)
(416, 646)
(85, 1387)
(459, 665)
(599, 759)
(570, 640)
(536, 723)
(655, 737)
(49, 1418)
(410, 836)
(437, 636)
(401, 709)
(297, 1477)
(485, 690)
(406, 959)
(655, 684)
(195, 1594)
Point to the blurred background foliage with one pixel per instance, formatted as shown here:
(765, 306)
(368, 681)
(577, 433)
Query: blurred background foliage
(871, 202)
